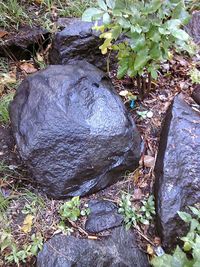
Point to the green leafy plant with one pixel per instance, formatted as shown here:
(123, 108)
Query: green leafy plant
(142, 33)
(12, 253)
(33, 202)
(195, 75)
(148, 208)
(191, 244)
(133, 216)
(71, 209)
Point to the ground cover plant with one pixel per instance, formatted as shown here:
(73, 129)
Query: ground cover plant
(189, 255)
(27, 217)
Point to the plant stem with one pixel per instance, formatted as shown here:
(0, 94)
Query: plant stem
(149, 83)
(139, 86)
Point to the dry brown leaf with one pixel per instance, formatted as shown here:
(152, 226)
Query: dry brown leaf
(3, 33)
(28, 68)
(149, 161)
(38, 2)
(137, 194)
(27, 224)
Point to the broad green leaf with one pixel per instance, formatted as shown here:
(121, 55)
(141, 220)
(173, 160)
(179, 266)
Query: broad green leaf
(155, 52)
(102, 4)
(122, 69)
(116, 31)
(163, 261)
(173, 24)
(185, 216)
(124, 23)
(180, 34)
(141, 59)
(89, 14)
(106, 18)
(137, 41)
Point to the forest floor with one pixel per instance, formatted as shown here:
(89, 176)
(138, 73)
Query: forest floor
(24, 210)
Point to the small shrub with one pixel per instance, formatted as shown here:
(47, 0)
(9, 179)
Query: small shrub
(150, 29)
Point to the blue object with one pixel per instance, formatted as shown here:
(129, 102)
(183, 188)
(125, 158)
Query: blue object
(132, 104)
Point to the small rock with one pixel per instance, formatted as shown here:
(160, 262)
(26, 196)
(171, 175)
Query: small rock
(103, 215)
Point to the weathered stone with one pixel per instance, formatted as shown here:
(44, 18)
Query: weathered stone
(103, 215)
(193, 27)
(119, 250)
(78, 41)
(24, 43)
(196, 94)
(73, 131)
(177, 169)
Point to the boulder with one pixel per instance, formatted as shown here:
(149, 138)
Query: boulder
(193, 27)
(119, 250)
(77, 41)
(103, 215)
(177, 169)
(73, 131)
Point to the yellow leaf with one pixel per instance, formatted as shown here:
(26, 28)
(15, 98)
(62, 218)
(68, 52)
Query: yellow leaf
(27, 224)
(150, 250)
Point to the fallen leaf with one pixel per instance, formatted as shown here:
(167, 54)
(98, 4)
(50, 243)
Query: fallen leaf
(137, 194)
(38, 2)
(28, 68)
(149, 161)
(123, 93)
(27, 224)
(149, 114)
(3, 33)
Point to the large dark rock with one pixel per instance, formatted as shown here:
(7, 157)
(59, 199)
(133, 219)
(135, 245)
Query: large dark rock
(73, 131)
(103, 215)
(177, 169)
(119, 250)
(193, 27)
(77, 41)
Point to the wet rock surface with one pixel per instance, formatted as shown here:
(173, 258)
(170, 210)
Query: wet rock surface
(193, 27)
(103, 215)
(119, 250)
(77, 41)
(25, 43)
(73, 131)
(196, 94)
(177, 169)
